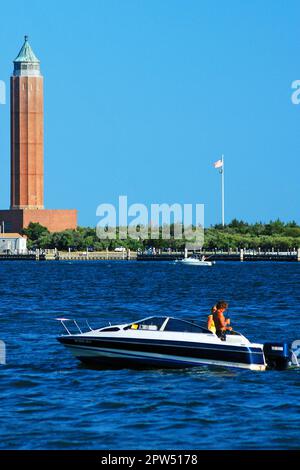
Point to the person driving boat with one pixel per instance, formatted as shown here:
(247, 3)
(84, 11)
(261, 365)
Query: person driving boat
(221, 323)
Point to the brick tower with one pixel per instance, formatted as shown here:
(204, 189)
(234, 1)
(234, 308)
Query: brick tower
(27, 151)
(27, 132)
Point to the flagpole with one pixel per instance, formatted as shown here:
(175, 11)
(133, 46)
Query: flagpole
(223, 193)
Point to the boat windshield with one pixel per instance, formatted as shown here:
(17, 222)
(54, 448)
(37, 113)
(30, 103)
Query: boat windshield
(183, 326)
(152, 324)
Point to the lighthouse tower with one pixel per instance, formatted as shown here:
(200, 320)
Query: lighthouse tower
(27, 151)
(27, 132)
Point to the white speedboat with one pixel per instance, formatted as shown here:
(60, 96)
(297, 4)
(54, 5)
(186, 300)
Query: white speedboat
(170, 342)
(192, 261)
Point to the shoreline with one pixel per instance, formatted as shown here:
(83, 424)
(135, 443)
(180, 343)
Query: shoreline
(238, 256)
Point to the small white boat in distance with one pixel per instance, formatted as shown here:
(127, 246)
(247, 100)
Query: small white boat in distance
(193, 261)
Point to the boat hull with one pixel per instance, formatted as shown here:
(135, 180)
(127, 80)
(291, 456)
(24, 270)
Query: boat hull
(120, 353)
(196, 263)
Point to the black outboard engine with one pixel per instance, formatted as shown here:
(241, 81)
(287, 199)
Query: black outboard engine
(277, 355)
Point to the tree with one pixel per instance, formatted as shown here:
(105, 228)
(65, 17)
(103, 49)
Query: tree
(35, 230)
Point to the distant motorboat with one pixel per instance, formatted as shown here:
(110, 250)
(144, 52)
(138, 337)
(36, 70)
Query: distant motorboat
(193, 261)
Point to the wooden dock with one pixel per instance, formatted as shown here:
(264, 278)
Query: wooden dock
(54, 255)
(93, 256)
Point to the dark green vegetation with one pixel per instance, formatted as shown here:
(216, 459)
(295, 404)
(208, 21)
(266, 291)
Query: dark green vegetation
(237, 234)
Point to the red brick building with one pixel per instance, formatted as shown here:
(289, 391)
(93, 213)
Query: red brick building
(27, 151)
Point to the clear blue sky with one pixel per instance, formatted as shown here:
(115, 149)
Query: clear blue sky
(141, 97)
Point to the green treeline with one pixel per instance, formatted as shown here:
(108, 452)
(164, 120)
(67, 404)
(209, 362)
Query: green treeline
(237, 234)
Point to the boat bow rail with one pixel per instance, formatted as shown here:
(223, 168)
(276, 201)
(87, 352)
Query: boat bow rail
(74, 322)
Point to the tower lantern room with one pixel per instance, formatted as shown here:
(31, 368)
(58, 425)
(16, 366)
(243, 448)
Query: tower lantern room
(26, 63)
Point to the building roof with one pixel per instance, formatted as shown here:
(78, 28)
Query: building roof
(11, 235)
(26, 54)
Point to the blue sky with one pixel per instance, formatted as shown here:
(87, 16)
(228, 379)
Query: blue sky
(141, 97)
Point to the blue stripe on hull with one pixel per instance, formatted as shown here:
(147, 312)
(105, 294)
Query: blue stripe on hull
(118, 358)
(139, 363)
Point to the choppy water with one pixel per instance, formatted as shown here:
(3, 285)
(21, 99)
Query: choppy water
(49, 401)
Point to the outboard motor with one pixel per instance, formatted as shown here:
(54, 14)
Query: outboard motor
(277, 355)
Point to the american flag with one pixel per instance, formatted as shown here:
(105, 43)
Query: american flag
(218, 164)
